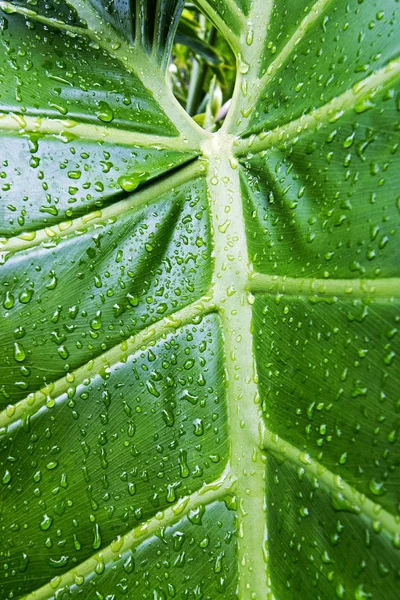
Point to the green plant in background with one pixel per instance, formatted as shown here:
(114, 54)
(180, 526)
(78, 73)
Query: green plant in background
(203, 70)
(200, 347)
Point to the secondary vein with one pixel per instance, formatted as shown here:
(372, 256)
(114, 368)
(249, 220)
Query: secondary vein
(131, 56)
(359, 503)
(15, 122)
(10, 8)
(207, 494)
(317, 9)
(136, 61)
(14, 414)
(55, 233)
(330, 112)
(342, 288)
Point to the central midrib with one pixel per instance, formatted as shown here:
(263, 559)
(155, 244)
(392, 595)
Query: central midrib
(230, 280)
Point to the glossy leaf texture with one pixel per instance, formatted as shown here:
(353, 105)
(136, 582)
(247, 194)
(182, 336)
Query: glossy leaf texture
(200, 346)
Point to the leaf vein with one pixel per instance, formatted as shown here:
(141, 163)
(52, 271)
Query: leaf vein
(9, 8)
(13, 415)
(342, 288)
(208, 493)
(52, 235)
(315, 12)
(330, 112)
(359, 503)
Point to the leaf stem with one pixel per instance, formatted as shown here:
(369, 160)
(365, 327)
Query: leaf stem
(195, 86)
(231, 37)
(231, 271)
(199, 71)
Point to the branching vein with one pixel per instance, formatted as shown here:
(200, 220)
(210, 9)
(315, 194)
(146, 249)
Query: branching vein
(342, 491)
(89, 132)
(206, 495)
(54, 234)
(342, 288)
(10, 8)
(314, 14)
(47, 396)
(136, 61)
(328, 113)
(131, 56)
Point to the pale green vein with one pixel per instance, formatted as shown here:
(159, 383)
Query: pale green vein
(252, 43)
(221, 25)
(244, 412)
(234, 8)
(122, 545)
(132, 58)
(250, 84)
(136, 61)
(253, 39)
(314, 14)
(52, 235)
(70, 129)
(14, 414)
(9, 8)
(342, 493)
(351, 99)
(342, 288)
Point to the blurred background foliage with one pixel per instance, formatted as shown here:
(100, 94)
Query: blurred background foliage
(202, 69)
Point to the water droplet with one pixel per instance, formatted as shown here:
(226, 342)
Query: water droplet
(168, 417)
(376, 487)
(19, 352)
(97, 537)
(46, 523)
(105, 112)
(182, 459)
(129, 564)
(9, 298)
(6, 477)
(130, 182)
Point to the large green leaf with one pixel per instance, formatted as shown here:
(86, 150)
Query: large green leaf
(200, 347)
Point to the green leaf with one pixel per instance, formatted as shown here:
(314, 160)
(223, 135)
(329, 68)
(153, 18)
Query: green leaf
(200, 347)
(189, 35)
